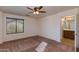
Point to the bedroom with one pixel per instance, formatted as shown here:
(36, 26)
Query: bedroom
(36, 32)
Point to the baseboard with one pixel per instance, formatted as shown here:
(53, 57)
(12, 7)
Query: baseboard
(21, 38)
(32, 37)
(49, 39)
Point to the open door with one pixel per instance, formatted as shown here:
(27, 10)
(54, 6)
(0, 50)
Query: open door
(77, 32)
(1, 33)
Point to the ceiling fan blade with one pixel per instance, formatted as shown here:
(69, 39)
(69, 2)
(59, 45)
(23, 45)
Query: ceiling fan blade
(30, 8)
(40, 7)
(42, 11)
(27, 15)
(30, 12)
(35, 9)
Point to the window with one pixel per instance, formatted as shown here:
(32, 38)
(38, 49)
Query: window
(14, 25)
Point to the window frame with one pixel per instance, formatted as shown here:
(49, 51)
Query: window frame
(16, 19)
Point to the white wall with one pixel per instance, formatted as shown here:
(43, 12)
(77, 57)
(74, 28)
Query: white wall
(51, 25)
(72, 12)
(30, 28)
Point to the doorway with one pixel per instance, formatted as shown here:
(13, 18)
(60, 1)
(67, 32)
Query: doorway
(68, 30)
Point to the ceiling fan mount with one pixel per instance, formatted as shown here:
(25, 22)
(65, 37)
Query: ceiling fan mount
(36, 10)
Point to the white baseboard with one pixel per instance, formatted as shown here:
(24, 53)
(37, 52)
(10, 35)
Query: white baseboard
(50, 38)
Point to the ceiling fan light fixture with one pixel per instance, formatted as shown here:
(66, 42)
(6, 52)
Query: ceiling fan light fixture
(36, 12)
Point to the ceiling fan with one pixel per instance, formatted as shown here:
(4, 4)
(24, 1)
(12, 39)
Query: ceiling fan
(36, 10)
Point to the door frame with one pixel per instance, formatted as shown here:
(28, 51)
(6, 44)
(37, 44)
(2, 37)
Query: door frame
(75, 29)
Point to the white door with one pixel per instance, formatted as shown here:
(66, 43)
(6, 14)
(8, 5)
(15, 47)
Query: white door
(77, 31)
(0, 27)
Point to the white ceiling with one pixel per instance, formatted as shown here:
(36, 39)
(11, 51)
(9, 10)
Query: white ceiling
(22, 10)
